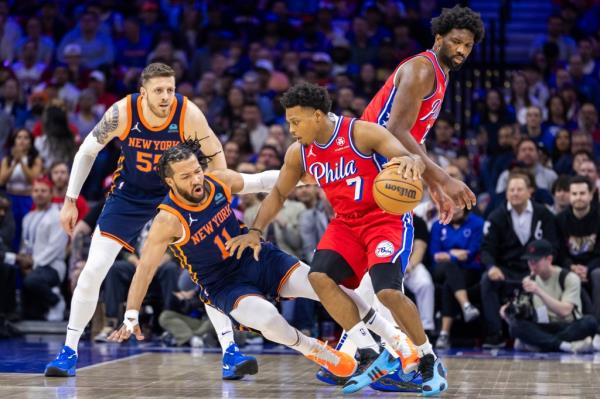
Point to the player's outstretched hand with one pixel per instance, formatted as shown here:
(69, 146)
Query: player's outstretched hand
(409, 166)
(460, 193)
(130, 326)
(68, 216)
(237, 245)
(442, 202)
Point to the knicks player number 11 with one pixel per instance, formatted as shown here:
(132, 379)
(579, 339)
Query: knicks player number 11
(357, 182)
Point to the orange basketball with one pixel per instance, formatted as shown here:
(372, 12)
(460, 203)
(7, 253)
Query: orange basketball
(395, 194)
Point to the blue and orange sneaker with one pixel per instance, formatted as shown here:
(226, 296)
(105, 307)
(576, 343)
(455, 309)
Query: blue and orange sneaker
(372, 367)
(328, 377)
(433, 373)
(64, 365)
(236, 365)
(399, 382)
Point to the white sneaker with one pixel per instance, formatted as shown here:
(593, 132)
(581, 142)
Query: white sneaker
(582, 346)
(524, 347)
(57, 312)
(196, 342)
(102, 336)
(596, 342)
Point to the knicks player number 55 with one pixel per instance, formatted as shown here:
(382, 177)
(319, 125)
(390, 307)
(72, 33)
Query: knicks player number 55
(145, 161)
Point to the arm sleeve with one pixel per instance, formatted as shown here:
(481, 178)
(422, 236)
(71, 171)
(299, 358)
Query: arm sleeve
(82, 164)
(262, 182)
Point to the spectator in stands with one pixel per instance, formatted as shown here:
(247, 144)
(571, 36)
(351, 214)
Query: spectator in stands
(557, 36)
(86, 117)
(60, 87)
(519, 99)
(528, 156)
(588, 123)
(252, 118)
(561, 152)
(507, 231)
(57, 142)
(560, 326)
(589, 169)
(59, 176)
(10, 34)
(27, 70)
(78, 74)
(417, 278)
(268, 158)
(444, 142)
(252, 91)
(18, 169)
(561, 194)
(105, 99)
(44, 45)
(10, 101)
(585, 48)
(231, 149)
(557, 116)
(494, 115)
(579, 234)
(96, 48)
(132, 47)
(495, 163)
(42, 257)
(119, 278)
(8, 271)
(455, 251)
(533, 127)
(587, 87)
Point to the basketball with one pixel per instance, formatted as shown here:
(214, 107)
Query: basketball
(395, 194)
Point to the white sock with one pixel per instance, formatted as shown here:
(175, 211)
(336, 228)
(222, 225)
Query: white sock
(304, 344)
(362, 337)
(566, 346)
(102, 254)
(425, 349)
(388, 333)
(346, 345)
(223, 327)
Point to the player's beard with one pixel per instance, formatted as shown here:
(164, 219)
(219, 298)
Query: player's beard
(158, 111)
(190, 196)
(447, 60)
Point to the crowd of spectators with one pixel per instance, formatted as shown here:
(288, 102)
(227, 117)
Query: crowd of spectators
(529, 150)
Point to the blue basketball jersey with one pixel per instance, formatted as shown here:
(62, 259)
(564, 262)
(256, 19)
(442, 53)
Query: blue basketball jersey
(207, 228)
(142, 145)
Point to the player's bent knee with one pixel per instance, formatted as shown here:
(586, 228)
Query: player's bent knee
(386, 276)
(329, 265)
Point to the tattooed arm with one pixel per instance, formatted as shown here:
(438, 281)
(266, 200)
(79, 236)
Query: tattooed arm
(112, 124)
(196, 126)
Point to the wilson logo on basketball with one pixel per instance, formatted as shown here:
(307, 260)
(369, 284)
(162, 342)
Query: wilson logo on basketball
(406, 192)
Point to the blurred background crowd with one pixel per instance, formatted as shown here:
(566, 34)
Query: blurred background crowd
(517, 131)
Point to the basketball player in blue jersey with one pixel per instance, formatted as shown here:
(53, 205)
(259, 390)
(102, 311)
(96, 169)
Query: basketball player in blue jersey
(147, 123)
(196, 220)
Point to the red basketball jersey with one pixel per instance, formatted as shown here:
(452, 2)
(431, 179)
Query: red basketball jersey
(344, 173)
(378, 110)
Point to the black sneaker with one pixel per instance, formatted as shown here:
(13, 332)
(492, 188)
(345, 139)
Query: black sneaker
(494, 342)
(433, 373)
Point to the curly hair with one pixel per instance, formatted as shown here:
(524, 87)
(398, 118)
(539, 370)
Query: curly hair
(180, 152)
(307, 95)
(458, 17)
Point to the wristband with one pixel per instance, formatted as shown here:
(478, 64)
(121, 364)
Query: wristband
(131, 319)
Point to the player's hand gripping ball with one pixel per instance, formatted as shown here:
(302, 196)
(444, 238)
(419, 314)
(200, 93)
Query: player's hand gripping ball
(397, 189)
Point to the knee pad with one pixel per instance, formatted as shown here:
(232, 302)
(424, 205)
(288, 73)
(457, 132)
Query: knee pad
(386, 276)
(332, 264)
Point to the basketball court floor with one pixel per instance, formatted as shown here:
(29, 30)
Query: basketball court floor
(148, 370)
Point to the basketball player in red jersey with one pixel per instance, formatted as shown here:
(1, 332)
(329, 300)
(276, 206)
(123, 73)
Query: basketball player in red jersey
(339, 154)
(421, 81)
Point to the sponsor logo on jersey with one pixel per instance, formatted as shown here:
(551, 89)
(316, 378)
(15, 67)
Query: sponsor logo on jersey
(340, 141)
(384, 249)
(173, 127)
(219, 198)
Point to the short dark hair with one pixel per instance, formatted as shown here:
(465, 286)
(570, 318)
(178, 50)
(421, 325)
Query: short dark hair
(156, 70)
(524, 140)
(562, 183)
(180, 152)
(581, 179)
(458, 17)
(521, 174)
(307, 95)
